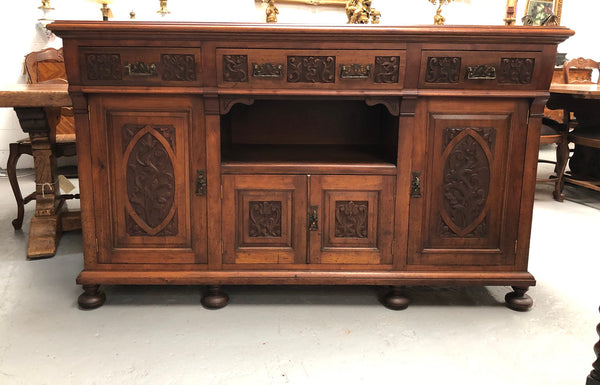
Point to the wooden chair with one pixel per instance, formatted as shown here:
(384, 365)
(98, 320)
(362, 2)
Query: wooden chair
(579, 71)
(46, 66)
(554, 131)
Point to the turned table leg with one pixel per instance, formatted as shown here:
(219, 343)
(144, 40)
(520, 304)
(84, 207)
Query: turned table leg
(214, 297)
(92, 297)
(518, 300)
(395, 299)
(594, 376)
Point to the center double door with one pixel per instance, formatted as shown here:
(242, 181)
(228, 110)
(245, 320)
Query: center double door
(308, 219)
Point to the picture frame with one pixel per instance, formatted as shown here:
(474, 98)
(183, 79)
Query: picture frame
(539, 10)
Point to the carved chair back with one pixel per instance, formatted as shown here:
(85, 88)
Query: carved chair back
(48, 66)
(580, 70)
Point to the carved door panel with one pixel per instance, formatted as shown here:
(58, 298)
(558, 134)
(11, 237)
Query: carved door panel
(264, 219)
(145, 190)
(471, 185)
(351, 219)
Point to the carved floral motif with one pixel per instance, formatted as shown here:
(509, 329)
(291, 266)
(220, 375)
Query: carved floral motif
(103, 66)
(264, 219)
(311, 69)
(150, 181)
(443, 70)
(386, 69)
(466, 182)
(516, 70)
(351, 219)
(235, 68)
(178, 67)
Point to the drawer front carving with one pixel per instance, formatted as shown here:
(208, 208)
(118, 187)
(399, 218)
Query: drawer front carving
(324, 69)
(140, 66)
(478, 70)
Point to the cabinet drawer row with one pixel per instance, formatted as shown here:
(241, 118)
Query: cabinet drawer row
(320, 69)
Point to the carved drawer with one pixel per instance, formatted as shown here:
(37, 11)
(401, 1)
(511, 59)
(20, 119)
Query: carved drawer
(480, 69)
(325, 69)
(140, 66)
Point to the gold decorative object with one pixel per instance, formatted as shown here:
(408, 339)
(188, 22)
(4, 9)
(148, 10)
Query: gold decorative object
(361, 12)
(46, 6)
(328, 3)
(511, 11)
(438, 19)
(163, 8)
(271, 12)
(132, 15)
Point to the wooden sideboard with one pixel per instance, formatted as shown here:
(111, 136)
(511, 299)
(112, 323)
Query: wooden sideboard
(226, 154)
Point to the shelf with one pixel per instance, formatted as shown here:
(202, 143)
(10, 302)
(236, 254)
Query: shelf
(310, 159)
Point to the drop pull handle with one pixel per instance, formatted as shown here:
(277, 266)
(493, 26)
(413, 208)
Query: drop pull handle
(313, 218)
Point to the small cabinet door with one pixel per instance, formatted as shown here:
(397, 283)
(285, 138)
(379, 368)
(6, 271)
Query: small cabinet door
(147, 155)
(355, 219)
(264, 219)
(465, 203)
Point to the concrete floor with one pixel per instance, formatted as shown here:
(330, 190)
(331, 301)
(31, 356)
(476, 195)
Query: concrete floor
(303, 335)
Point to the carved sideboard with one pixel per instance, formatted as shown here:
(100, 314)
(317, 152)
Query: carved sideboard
(225, 154)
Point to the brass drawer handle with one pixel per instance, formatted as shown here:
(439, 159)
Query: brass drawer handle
(267, 70)
(355, 71)
(481, 72)
(141, 69)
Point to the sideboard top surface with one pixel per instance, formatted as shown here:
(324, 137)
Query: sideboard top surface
(245, 31)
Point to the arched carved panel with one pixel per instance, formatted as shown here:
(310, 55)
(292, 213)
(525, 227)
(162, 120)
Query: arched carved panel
(150, 181)
(466, 179)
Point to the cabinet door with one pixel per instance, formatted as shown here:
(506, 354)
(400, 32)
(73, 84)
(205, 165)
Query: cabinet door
(354, 219)
(148, 155)
(264, 219)
(471, 157)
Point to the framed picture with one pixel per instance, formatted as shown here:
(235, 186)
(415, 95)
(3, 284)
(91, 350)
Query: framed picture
(539, 10)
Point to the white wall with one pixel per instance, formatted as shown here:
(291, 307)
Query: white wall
(20, 36)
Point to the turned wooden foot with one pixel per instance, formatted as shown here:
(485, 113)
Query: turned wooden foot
(395, 299)
(92, 297)
(594, 377)
(518, 300)
(214, 297)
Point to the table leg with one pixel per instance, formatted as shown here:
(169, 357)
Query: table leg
(45, 229)
(594, 377)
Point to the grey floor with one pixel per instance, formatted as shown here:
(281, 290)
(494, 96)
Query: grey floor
(304, 335)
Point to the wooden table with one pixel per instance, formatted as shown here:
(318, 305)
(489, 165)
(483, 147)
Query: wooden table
(50, 218)
(584, 101)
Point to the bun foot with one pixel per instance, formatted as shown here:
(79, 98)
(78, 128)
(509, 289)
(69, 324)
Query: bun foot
(214, 298)
(518, 300)
(395, 299)
(92, 297)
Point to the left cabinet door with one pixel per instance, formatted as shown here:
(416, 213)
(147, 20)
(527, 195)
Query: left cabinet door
(149, 206)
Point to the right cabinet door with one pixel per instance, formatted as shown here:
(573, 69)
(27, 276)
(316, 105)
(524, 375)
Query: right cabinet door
(355, 219)
(470, 157)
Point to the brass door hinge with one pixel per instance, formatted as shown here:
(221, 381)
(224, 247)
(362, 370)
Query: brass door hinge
(222, 247)
(221, 192)
(89, 113)
(516, 246)
(97, 248)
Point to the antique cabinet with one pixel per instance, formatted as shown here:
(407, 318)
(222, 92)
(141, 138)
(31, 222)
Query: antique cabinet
(224, 154)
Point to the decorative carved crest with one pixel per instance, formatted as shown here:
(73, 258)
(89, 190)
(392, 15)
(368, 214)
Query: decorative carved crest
(443, 70)
(311, 69)
(351, 219)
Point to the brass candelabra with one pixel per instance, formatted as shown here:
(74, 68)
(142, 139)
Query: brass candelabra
(438, 19)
